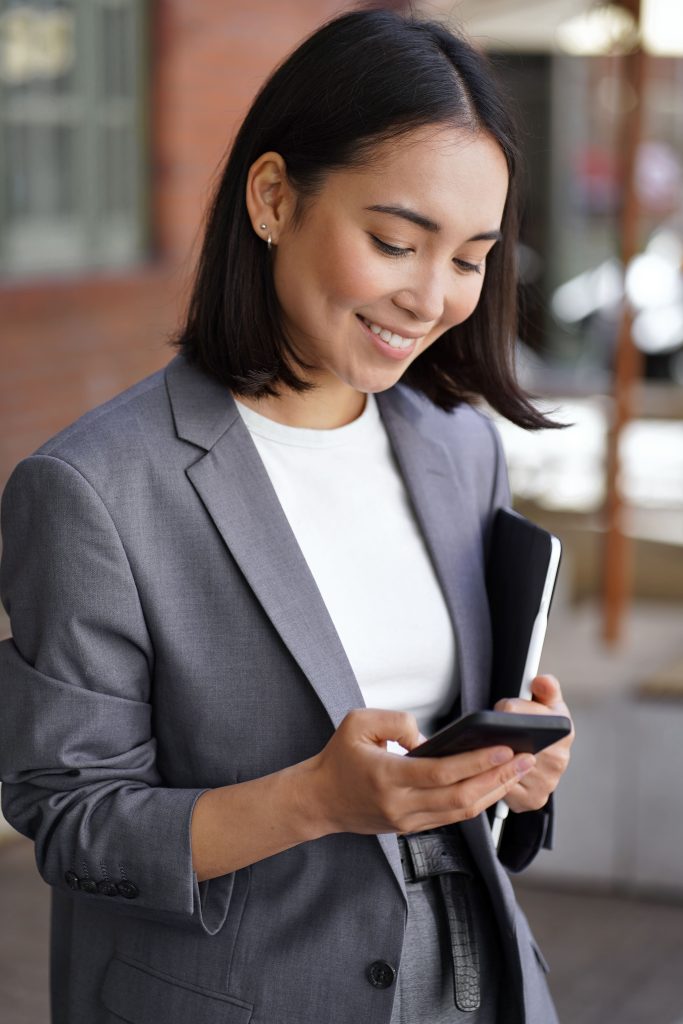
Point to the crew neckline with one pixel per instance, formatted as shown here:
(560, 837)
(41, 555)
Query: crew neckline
(310, 437)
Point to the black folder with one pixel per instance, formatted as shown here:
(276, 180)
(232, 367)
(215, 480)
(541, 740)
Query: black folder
(521, 573)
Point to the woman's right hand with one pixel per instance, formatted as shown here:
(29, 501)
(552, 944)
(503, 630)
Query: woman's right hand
(352, 785)
(355, 785)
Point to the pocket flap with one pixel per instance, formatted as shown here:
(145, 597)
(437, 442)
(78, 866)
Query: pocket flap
(539, 956)
(138, 994)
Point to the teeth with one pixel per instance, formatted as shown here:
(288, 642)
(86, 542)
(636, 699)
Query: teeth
(395, 340)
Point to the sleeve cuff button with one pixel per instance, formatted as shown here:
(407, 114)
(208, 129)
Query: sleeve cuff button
(107, 888)
(127, 890)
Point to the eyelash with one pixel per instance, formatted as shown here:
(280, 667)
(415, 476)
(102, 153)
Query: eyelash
(397, 253)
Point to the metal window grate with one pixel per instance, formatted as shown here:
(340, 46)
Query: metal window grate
(73, 164)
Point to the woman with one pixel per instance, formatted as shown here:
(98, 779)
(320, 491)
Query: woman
(209, 576)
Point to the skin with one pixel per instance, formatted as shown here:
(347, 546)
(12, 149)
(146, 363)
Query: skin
(331, 268)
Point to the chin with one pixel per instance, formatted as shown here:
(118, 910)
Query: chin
(381, 380)
(373, 384)
(371, 380)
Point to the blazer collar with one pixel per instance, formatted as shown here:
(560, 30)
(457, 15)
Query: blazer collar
(232, 482)
(202, 408)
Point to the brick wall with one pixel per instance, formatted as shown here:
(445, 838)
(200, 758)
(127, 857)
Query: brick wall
(67, 345)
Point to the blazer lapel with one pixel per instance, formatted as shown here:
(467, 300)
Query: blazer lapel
(232, 483)
(447, 513)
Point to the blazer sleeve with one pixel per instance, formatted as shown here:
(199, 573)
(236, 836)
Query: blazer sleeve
(527, 833)
(77, 750)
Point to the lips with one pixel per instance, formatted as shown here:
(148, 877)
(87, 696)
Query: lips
(397, 341)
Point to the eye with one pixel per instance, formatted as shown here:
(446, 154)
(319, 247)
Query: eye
(389, 250)
(468, 268)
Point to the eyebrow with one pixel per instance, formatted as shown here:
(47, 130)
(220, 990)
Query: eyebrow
(429, 225)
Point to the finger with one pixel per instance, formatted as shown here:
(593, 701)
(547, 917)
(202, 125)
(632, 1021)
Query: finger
(519, 706)
(526, 796)
(436, 772)
(534, 789)
(546, 690)
(377, 725)
(469, 798)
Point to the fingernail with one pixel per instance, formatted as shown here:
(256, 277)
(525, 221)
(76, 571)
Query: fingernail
(501, 755)
(524, 765)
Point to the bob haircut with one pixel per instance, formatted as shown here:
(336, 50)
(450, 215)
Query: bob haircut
(363, 79)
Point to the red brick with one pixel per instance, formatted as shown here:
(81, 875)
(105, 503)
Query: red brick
(68, 345)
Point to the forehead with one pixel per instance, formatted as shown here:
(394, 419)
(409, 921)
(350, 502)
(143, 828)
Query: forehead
(453, 176)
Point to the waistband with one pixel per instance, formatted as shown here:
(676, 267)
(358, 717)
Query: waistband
(437, 852)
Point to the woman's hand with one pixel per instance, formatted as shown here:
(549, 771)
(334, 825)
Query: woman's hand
(354, 785)
(532, 792)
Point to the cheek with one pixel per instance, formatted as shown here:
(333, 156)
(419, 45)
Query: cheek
(466, 299)
(347, 276)
(326, 273)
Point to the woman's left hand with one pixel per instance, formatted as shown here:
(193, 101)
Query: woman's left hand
(532, 792)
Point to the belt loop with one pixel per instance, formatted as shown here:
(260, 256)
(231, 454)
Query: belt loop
(433, 853)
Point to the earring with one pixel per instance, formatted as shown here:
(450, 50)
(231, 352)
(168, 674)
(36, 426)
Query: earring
(264, 227)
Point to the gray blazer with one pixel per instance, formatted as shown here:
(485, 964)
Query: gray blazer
(169, 638)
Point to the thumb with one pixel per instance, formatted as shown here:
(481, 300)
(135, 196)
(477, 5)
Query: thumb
(546, 690)
(378, 725)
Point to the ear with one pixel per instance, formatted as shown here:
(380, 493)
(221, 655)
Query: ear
(269, 196)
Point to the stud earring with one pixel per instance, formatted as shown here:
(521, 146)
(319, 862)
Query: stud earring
(264, 227)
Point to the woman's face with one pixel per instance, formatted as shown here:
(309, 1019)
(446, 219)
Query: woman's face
(389, 256)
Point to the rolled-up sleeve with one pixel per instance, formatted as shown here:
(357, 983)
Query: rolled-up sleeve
(77, 749)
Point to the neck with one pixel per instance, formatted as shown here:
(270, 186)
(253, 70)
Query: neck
(318, 409)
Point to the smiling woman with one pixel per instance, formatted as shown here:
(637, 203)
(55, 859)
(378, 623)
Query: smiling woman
(243, 587)
(326, 128)
(366, 287)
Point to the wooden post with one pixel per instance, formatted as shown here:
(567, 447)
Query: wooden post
(618, 552)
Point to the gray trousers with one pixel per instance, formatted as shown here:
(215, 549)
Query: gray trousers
(425, 980)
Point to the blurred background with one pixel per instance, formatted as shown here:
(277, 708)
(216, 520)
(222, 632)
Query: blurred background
(114, 117)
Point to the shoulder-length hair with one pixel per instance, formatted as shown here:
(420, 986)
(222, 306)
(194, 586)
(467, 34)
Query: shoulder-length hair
(362, 79)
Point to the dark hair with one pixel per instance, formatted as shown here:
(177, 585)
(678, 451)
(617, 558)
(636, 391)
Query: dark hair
(361, 79)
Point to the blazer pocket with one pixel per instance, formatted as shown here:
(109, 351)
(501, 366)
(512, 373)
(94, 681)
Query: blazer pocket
(525, 929)
(539, 956)
(137, 994)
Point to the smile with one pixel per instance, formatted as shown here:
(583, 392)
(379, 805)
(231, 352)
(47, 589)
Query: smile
(390, 337)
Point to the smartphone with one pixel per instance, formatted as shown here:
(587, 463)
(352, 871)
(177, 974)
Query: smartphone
(525, 734)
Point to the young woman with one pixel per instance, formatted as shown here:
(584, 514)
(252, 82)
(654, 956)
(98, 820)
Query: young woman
(214, 578)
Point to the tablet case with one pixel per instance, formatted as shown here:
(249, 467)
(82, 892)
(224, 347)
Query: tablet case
(520, 556)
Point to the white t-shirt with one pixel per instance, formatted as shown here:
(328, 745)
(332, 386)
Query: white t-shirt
(348, 508)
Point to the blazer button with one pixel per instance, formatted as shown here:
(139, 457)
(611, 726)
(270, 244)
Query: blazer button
(72, 880)
(88, 885)
(107, 888)
(381, 974)
(127, 890)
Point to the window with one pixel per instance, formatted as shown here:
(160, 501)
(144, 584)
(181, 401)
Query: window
(72, 131)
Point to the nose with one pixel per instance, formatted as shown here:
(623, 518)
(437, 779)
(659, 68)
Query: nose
(424, 297)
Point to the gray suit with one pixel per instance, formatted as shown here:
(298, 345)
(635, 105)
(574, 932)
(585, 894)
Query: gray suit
(169, 638)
